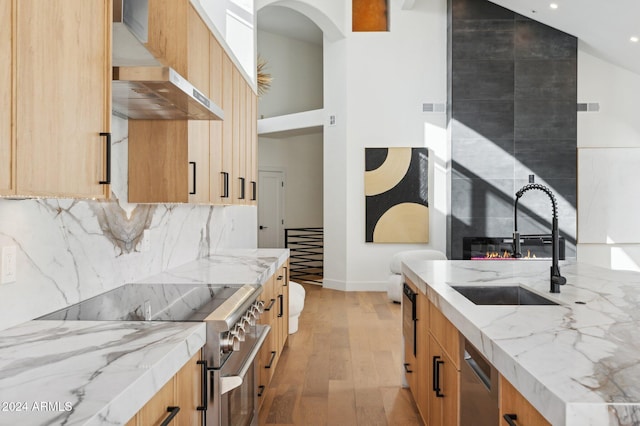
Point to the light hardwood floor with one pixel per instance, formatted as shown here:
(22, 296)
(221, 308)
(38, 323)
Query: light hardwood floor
(343, 366)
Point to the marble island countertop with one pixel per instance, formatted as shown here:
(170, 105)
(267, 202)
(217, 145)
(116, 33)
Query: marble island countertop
(103, 372)
(577, 362)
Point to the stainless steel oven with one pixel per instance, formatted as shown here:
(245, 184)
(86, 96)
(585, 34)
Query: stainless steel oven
(236, 391)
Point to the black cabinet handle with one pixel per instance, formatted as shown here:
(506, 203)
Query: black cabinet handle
(436, 376)
(225, 185)
(273, 357)
(280, 277)
(254, 190)
(194, 177)
(286, 274)
(242, 185)
(107, 181)
(260, 390)
(281, 297)
(406, 368)
(268, 308)
(205, 370)
(510, 419)
(173, 411)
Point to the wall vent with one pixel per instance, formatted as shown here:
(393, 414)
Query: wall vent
(588, 107)
(433, 107)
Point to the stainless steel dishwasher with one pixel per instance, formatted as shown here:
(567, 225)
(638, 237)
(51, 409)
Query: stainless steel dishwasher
(478, 389)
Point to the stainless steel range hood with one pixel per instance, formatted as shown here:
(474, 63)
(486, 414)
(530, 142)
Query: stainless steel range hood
(142, 87)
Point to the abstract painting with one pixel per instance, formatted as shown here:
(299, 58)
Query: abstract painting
(396, 195)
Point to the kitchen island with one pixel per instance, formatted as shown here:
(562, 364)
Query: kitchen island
(578, 362)
(103, 372)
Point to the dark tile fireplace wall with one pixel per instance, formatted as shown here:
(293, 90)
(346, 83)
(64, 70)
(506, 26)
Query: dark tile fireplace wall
(512, 93)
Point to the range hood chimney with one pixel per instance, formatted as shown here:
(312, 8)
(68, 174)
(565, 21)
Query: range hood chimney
(142, 87)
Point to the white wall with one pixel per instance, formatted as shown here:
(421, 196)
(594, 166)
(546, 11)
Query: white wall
(296, 69)
(301, 159)
(608, 159)
(389, 76)
(375, 84)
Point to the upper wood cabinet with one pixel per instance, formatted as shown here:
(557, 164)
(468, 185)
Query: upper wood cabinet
(217, 179)
(7, 149)
(58, 100)
(169, 159)
(194, 161)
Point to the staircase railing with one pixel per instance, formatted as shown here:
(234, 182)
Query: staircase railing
(305, 253)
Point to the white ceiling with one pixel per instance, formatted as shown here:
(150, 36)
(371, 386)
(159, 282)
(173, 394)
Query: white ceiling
(603, 27)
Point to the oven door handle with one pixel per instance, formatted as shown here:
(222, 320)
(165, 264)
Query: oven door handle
(228, 383)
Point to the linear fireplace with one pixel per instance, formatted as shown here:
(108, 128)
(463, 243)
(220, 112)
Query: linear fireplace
(532, 247)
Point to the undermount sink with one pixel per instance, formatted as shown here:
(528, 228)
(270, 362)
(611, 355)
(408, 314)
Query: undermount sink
(502, 295)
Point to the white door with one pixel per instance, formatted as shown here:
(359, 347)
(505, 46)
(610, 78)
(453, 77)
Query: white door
(271, 209)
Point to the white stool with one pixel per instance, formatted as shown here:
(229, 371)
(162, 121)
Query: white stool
(394, 288)
(296, 304)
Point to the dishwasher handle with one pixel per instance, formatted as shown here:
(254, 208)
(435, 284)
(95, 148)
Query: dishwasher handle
(484, 378)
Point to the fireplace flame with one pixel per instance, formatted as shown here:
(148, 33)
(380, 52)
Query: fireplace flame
(507, 255)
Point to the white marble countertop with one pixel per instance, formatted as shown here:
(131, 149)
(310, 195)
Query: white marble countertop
(238, 266)
(578, 364)
(88, 372)
(103, 372)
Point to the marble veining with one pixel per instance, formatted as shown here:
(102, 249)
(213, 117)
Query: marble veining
(88, 373)
(231, 266)
(102, 372)
(70, 250)
(577, 363)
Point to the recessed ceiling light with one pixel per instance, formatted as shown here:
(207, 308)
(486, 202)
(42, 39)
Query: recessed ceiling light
(553, 5)
(634, 39)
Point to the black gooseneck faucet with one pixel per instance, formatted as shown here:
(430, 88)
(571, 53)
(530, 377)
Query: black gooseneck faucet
(556, 279)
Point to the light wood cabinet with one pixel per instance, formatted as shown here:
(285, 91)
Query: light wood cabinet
(275, 295)
(444, 400)
(216, 154)
(514, 405)
(183, 391)
(195, 161)
(433, 374)
(56, 102)
(435, 378)
(7, 146)
(169, 159)
(422, 363)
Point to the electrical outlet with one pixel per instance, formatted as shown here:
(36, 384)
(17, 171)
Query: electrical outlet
(8, 265)
(146, 240)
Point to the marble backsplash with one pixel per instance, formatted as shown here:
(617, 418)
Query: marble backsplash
(70, 250)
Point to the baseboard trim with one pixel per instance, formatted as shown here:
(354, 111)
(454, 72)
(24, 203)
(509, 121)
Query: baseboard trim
(354, 285)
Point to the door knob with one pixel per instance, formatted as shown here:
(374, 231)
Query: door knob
(263, 227)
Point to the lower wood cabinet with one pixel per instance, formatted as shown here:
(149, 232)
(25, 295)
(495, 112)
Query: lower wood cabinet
(444, 398)
(515, 407)
(275, 296)
(433, 374)
(423, 365)
(183, 390)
